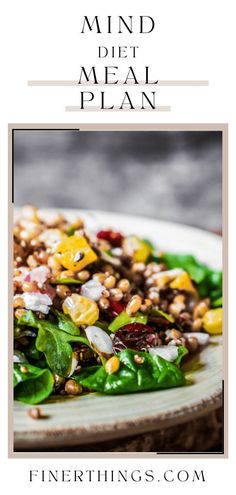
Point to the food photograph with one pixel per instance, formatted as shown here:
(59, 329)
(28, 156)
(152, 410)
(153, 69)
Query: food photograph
(117, 281)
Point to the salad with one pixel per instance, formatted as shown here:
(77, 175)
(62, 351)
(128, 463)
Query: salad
(104, 311)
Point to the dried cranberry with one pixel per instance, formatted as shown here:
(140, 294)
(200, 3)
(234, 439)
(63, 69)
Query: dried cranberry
(116, 307)
(135, 336)
(115, 238)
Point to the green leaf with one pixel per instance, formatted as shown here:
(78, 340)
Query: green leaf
(211, 285)
(124, 319)
(109, 252)
(53, 342)
(153, 374)
(217, 303)
(85, 373)
(32, 387)
(149, 244)
(32, 352)
(66, 324)
(67, 281)
(103, 325)
(158, 312)
(182, 351)
(57, 350)
(71, 230)
(215, 278)
(29, 319)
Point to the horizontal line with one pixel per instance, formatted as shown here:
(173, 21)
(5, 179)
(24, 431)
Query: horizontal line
(120, 83)
(183, 83)
(116, 109)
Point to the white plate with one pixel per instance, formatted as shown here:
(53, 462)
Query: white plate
(95, 417)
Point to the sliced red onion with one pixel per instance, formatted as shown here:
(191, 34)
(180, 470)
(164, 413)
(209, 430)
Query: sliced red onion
(74, 364)
(92, 289)
(110, 259)
(37, 301)
(100, 341)
(171, 274)
(169, 353)
(202, 338)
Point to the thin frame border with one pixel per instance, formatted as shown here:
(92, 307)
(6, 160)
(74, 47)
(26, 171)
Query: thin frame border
(222, 127)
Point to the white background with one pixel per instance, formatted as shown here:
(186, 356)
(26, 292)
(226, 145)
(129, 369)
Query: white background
(41, 40)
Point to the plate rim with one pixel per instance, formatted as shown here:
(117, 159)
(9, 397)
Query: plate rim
(56, 436)
(137, 216)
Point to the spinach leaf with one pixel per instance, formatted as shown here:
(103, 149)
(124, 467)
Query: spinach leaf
(103, 325)
(29, 319)
(211, 286)
(217, 303)
(85, 372)
(158, 312)
(182, 351)
(57, 350)
(153, 374)
(32, 387)
(66, 324)
(32, 352)
(150, 244)
(124, 319)
(53, 342)
(71, 230)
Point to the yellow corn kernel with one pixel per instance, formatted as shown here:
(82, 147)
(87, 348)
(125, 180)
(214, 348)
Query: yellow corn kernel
(75, 253)
(112, 365)
(183, 282)
(83, 311)
(212, 321)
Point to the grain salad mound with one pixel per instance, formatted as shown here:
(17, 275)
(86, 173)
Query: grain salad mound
(104, 311)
